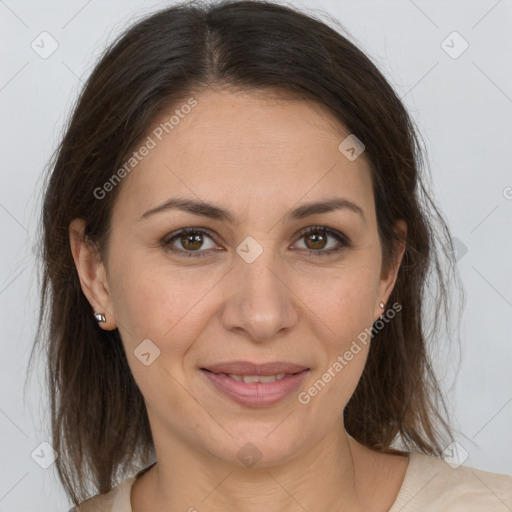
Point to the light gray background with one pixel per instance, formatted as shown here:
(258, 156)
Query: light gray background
(463, 107)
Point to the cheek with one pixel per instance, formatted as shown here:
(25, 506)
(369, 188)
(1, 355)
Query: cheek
(160, 304)
(341, 299)
(165, 307)
(163, 302)
(342, 327)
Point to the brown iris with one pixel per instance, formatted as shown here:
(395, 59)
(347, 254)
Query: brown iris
(318, 240)
(194, 239)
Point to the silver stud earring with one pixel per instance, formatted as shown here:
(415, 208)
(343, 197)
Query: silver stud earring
(381, 305)
(100, 317)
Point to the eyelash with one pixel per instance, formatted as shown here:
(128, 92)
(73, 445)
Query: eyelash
(344, 241)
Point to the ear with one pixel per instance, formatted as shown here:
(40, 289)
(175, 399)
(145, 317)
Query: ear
(92, 274)
(389, 275)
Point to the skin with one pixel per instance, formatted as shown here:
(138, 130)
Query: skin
(258, 157)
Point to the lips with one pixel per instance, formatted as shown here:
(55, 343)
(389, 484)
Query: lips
(255, 394)
(249, 368)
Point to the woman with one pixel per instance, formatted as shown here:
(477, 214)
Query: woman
(237, 242)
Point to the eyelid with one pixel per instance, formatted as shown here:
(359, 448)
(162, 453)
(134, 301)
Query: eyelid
(339, 236)
(166, 241)
(326, 229)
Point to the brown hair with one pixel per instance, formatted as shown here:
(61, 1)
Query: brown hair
(98, 417)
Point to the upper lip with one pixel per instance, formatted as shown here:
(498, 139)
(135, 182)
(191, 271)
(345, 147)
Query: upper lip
(249, 368)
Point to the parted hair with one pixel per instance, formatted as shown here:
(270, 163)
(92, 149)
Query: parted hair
(99, 423)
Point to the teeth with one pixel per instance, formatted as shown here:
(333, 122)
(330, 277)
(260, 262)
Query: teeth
(256, 378)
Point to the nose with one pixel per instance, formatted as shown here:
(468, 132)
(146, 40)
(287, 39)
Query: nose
(260, 303)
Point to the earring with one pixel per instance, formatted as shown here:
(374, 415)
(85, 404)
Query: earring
(100, 317)
(381, 305)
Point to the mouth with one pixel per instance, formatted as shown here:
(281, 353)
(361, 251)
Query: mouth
(254, 390)
(251, 369)
(249, 379)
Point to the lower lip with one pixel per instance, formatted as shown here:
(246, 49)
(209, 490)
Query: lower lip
(256, 394)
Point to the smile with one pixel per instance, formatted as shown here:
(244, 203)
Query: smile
(255, 390)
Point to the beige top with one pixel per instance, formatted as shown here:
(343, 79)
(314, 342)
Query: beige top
(430, 485)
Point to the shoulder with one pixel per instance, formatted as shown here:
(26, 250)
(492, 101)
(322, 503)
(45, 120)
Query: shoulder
(117, 500)
(431, 484)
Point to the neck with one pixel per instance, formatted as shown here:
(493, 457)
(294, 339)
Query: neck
(333, 474)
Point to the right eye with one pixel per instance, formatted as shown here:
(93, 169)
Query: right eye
(190, 239)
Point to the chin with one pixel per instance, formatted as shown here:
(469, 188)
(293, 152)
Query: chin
(252, 446)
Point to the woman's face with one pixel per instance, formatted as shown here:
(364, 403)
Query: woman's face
(253, 287)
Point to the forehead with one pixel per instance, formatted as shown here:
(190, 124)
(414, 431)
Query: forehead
(238, 149)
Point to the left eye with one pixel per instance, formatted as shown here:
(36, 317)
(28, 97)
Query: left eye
(192, 239)
(317, 236)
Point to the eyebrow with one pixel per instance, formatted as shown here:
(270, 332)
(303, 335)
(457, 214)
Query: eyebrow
(201, 208)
